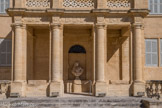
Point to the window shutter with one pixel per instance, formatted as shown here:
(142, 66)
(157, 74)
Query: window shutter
(2, 6)
(148, 46)
(160, 52)
(148, 59)
(151, 54)
(7, 4)
(5, 52)
(155, 6)
(9, 46)
(154, 60)
(160, 6)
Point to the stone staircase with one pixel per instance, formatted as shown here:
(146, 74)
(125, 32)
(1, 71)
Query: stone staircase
(72, 102)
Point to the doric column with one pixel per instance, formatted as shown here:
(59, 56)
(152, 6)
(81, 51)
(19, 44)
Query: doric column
(138, 52)
(19, 60)
(100, 52)
(101, 86)
(139, 86)
(56, 52)
(19, 74)
(56, 86)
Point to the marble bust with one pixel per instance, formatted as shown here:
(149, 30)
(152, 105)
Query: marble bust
(77, 70)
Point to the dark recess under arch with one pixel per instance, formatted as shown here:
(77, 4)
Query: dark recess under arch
(77, 49)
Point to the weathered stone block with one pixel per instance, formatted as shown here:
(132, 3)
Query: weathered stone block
(100, 88)
(56, 87)
(16, 88)
(77, 86)
(138, 88)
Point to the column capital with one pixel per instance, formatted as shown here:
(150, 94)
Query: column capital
(137, 25)
(101, 26)
(56, 26)
(16, 25)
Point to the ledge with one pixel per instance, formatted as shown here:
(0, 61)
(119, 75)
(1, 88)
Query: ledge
(22, 11)
(119, 82)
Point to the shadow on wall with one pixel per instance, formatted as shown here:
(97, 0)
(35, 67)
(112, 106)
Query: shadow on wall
(6, 57)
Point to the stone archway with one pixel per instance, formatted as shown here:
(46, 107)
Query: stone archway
(77, 53)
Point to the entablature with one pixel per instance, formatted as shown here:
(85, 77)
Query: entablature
(119, 5)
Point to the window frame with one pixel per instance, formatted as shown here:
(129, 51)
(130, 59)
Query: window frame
(6, 52)
(159, 6)
(151, 53)
(6, 4)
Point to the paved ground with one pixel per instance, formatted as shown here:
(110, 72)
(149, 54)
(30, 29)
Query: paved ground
(74, 101)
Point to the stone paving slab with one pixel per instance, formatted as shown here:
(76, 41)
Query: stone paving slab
(74, 102)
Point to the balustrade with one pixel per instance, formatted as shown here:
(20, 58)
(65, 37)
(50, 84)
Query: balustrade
(110, 4)
(78, 3)
(38, 3)
(154, 88)
(118, 4)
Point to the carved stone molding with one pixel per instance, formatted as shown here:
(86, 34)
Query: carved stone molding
(17, 25)
(77, 20)
(36, 19)
(56, 19)
(118, 20)
(100, 26)
(138, 25)
(56, 26)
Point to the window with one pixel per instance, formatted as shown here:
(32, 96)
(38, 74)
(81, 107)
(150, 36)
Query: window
(151, 52)
(4, 4)
(5, 52)
(155, 6)
(160, 52)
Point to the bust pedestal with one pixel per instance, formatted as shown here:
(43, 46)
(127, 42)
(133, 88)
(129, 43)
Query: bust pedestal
(77, 86)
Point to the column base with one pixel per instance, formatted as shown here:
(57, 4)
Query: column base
(17, 89)
(56, 89)
(138, 89)
(101, 89)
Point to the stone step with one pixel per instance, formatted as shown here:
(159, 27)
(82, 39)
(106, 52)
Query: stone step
(82, 102)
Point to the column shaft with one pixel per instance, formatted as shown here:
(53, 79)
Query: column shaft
(100, 53)
(56, 52)
(138, 52)
(19, 54)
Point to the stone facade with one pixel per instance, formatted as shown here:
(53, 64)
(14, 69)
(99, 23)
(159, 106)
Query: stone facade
(111, 32)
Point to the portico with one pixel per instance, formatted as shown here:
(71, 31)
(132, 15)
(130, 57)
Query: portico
(105, 44)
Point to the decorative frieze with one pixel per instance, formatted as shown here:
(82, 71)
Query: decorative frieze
(77, 20)
(36, 19)
(78, 3)
(118, 3)
(38, 3)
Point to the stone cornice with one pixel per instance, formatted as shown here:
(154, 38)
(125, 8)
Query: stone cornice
(49, 11)
(142, 12)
